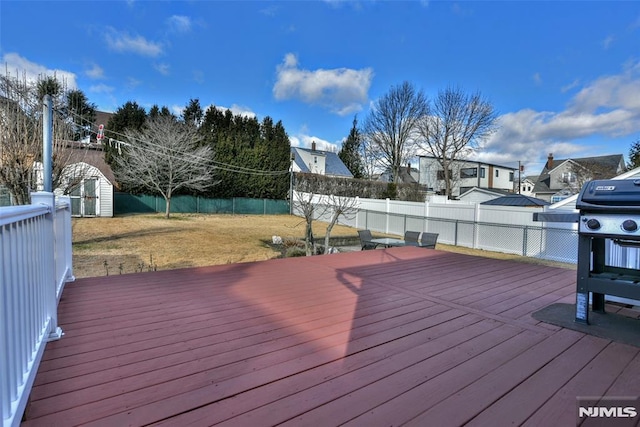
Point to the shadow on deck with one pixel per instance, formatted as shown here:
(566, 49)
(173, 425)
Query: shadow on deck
(403, 336)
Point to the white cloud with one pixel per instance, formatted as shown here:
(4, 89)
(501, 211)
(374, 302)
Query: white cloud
(607, 42)
(304, 141)
(122, 42)
(567, 88)
(537, 79)
(238, 110)
(162, 69)
(95, 72)
(19, 66)
(179, 24)
(101, 88)
(340, 90)
(608, 107)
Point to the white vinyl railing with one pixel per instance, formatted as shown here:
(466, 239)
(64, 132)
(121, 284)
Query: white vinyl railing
(35, 263)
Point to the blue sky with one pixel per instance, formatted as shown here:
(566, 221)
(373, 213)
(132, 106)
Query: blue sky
(563, 76)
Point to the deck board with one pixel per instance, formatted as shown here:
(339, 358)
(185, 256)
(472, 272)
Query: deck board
(386, 337)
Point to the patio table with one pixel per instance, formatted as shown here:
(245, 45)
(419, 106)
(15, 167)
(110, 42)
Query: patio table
(388, 242)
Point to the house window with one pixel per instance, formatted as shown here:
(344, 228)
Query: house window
(468, 173)
(568, 177)
(482, 172)
(497, 173)
(510, 176)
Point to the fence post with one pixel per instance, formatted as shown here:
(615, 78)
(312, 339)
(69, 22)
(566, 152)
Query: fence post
(357, 211)
(525, 233)
(455, 234)
(386, 217)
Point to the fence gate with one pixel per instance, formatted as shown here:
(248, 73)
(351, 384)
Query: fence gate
(84, 197)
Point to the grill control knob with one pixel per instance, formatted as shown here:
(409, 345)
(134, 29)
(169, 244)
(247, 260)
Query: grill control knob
(629, 225)
(593, 224)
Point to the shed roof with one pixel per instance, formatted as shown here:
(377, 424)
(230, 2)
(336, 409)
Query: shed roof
(516, 200)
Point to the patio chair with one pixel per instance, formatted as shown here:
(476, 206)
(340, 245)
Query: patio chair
(421, 240)
(365, 240)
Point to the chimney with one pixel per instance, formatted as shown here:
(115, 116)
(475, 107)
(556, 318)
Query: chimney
(550, 161)
(313, 146)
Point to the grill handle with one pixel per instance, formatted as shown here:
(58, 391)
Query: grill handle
(627, 243)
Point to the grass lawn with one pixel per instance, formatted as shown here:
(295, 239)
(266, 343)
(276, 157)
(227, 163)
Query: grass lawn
(132, 243)
(135, 243)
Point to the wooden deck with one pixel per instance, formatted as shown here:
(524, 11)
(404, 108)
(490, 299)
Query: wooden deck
(401, 336)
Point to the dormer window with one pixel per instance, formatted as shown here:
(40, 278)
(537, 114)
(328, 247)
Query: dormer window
(568, 177)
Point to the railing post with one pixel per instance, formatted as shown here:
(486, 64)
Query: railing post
(51, 300)
(455, 238)
(67, 241)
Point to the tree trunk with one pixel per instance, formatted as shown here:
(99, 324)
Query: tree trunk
(309, 246)
(168, 209)
(328, 234)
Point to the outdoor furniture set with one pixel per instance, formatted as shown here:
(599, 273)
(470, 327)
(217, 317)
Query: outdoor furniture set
(411, 238)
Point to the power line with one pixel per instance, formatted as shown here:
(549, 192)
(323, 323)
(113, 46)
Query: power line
(217, 164)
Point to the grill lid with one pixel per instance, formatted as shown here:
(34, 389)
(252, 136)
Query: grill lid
(610, 195)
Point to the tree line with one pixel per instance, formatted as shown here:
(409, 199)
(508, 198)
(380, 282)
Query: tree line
(213, 153)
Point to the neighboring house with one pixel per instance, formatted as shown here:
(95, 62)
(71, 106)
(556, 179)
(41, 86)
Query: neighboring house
(408, 175)
(465, 174)
(518, 200)
(526, 185)
(480, 195)
(318, 162)
(561, 178)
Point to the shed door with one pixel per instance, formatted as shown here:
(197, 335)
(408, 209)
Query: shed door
(84, 198)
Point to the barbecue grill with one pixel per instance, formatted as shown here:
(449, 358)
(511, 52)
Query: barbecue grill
(609, 209)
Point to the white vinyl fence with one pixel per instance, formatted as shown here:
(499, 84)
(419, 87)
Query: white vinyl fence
(504, 229)
(35, 253)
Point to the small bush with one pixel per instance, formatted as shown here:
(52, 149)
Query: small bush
(294, 252)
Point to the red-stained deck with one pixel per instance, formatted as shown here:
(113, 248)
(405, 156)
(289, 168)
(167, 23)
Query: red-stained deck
(386, 337)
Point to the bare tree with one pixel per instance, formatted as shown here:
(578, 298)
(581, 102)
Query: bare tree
(583, 170)
(337, 207)
(457, 124)
(21, 136)
(306, 206)
(390, 128)
(165, 157)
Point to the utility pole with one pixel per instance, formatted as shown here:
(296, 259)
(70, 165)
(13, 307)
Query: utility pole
(292, 157)
(519, 176)
(47, 143)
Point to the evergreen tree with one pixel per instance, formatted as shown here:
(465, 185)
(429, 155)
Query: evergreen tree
(634, 155)
(128, 117)
(252, 157)
(193, 113)
(350, 152)
(81, 113)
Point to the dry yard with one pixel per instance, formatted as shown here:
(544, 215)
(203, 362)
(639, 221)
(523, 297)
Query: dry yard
(135, 243)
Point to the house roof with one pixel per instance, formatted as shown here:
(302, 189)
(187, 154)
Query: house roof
(609, 163)
(491, 191)
(333, 164)
(477, 162)
(405, 175)
(516, 200)
(91, 155)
